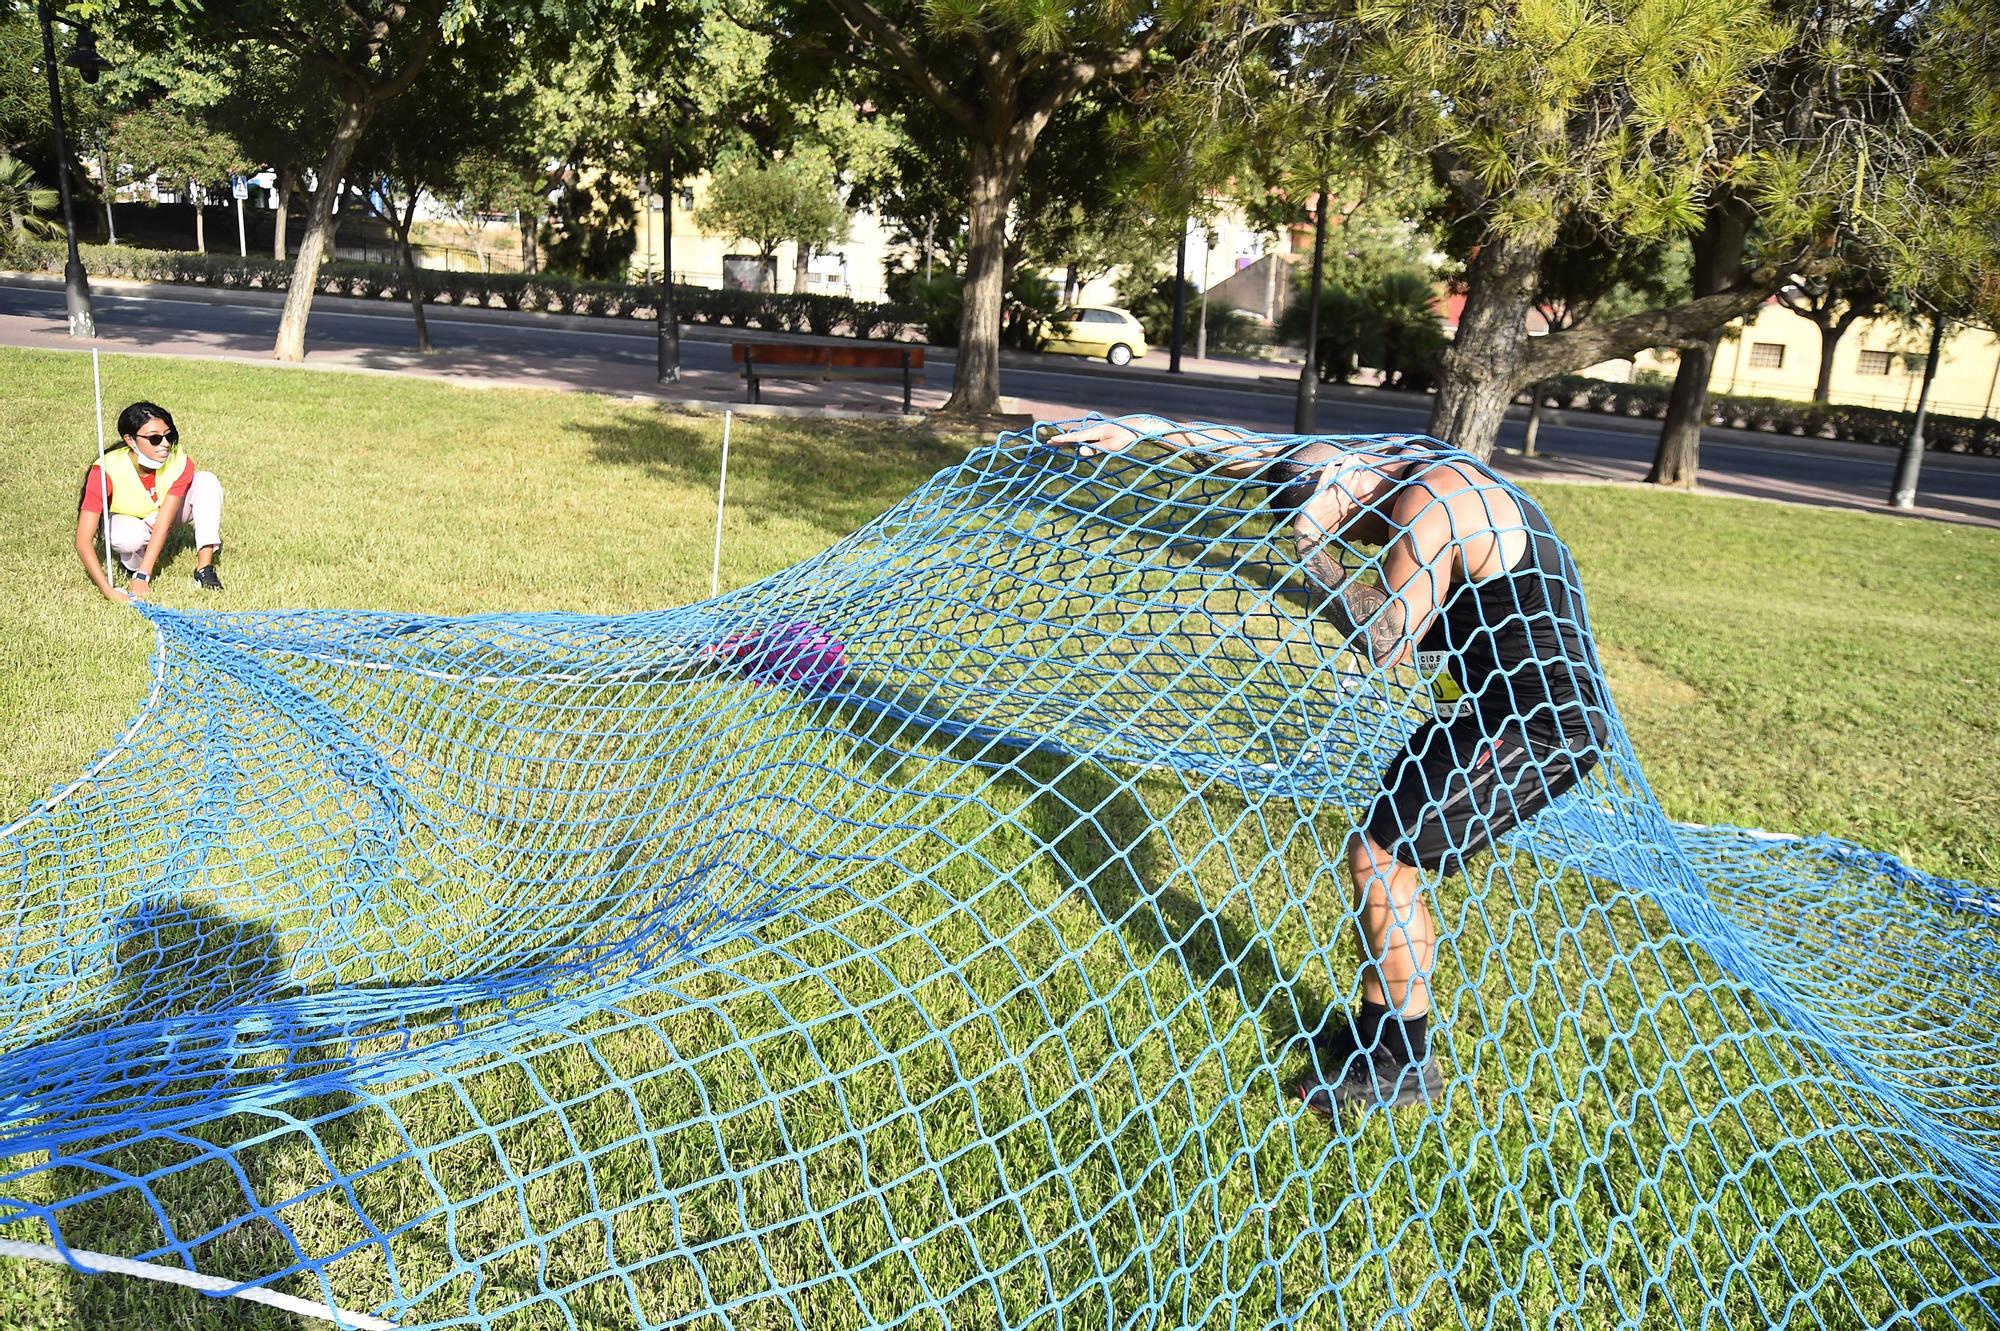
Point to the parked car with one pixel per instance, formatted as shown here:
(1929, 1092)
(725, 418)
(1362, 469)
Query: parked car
(1095, 330)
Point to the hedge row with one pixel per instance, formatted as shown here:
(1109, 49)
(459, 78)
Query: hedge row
(769, 311)
(1866, 425)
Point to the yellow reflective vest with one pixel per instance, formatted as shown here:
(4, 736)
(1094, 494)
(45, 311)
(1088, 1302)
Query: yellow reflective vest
(129, 494)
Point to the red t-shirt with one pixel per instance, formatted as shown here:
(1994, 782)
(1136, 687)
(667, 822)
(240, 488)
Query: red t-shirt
(97, 490)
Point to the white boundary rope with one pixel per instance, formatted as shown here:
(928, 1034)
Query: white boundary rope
(103, 484)
(98, 1263)
(721, 488)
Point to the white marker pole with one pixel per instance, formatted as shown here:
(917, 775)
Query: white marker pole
(103, 486)
(721, 488)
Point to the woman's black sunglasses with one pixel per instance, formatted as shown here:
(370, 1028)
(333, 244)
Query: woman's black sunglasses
(171, 437)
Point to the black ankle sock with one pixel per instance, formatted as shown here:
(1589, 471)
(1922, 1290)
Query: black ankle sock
(1375, 1030)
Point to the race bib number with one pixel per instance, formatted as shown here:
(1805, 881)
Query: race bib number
(1447, 697)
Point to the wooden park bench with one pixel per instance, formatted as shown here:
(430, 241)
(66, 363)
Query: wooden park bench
(800, 360)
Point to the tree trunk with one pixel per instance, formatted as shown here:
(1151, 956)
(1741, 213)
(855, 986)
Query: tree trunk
(1829, 338)
(1534, 422)
(200, 217)
(410, 287)
(975, 385)
(284, 183)
(527, 224)
(1482, 368)
(291, 343)
(1718, 264)
(801, 259)
(1677, 459)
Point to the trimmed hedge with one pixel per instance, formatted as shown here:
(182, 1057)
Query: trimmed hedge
(766, 311)
(1864, 425)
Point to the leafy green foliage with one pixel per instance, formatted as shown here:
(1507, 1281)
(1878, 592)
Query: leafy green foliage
(163, 139)
(979, 86)
(1589, 273)
(1542, 107)
(769, 203)
(25, 207)
(593, 228)
(1648, 398)
(935, 306)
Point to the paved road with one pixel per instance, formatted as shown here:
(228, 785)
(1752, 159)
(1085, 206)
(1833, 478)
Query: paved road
(620, 359)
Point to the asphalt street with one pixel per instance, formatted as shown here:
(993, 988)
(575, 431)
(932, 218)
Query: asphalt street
(620, 358)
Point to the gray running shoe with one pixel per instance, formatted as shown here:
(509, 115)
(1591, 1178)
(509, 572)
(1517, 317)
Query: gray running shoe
(1374, 1083)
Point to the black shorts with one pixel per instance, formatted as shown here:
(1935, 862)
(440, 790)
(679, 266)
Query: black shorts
(1459, 785)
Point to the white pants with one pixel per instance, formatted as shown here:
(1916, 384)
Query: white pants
(201, 508)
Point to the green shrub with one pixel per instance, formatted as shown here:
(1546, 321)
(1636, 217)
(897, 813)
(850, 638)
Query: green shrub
(935, 306)
(1234, 333)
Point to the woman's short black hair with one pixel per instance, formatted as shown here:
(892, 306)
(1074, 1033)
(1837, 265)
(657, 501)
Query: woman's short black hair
(136, 415)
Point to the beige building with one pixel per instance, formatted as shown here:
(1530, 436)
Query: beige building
(1878, 363)
(855, 268)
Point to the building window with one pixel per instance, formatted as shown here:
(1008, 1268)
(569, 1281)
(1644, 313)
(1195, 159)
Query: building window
(1872, 362)
(1914, 361)
(1767, 355)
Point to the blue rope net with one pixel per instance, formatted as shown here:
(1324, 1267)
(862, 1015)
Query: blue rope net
(938, 932)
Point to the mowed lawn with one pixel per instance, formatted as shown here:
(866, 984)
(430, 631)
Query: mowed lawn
(1796, 669)
(1778, 667)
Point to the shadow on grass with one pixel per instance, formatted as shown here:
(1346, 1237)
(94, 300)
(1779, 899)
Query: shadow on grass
(834, 476)
(1093, 822)
(177, 1196)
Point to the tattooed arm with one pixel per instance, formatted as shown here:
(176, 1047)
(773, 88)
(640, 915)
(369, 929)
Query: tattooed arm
(1358, 607)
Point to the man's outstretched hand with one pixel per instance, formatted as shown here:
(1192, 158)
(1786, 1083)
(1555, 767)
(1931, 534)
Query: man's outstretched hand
(1099, 437)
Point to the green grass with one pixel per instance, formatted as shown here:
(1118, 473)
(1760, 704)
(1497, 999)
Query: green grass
(1788, 668)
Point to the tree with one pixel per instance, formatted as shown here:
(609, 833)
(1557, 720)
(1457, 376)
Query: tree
(279, 110)
(768, 203)
(26, 132)
(367, 52)
(1587, 274)
(1844, 171)
(463, 105)
(593, 227)
(1832, 302)
(483, 186)
(979, 83)
(1534, 111)
(186, 154)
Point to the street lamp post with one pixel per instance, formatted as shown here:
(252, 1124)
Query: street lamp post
(76, 287)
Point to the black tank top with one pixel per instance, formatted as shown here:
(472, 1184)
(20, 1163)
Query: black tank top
(1517, 643)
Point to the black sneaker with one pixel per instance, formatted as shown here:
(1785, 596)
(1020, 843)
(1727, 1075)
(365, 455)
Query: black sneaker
(1374, 1083)
(208, 579)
